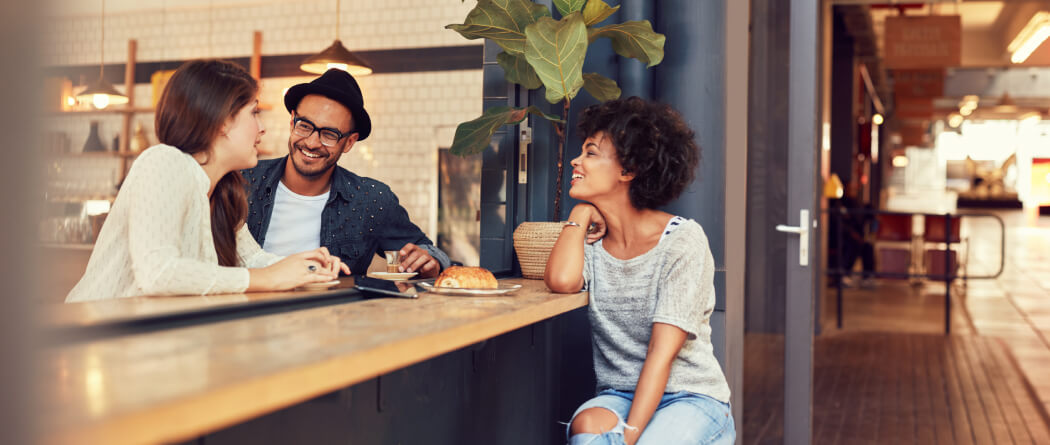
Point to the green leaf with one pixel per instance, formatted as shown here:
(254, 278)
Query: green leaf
(596, 11)
(601, 87)
(518, 70)
(566, 7)
(634, 39)
(556, 50)
(474, 136)
(502, 21)
(550, 117)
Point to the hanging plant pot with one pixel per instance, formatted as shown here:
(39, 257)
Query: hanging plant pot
(533, 242)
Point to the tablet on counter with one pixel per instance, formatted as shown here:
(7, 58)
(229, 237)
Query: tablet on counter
(373, 287)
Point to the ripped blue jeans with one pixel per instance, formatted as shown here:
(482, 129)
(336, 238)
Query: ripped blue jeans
(680, 418)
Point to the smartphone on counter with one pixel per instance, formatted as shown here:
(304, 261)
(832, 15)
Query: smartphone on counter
(374, 287)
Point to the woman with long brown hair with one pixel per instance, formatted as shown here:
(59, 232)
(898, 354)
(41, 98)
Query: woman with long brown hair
(177, 225)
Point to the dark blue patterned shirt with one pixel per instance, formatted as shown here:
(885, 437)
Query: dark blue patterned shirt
(362, 217)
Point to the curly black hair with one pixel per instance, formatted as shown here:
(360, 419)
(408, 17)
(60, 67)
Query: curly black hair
(652, 141)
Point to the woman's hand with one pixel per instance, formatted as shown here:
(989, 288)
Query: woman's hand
(312, 266)
(588, 216)
(564, 270)
(331, 262)
(630, 436)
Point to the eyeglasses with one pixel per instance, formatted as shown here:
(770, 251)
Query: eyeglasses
(303, 128)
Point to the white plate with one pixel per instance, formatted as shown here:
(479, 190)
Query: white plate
(501, 290)
(322, 285)
(394, 276)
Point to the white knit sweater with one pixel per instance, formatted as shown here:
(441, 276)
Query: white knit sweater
(157, 238)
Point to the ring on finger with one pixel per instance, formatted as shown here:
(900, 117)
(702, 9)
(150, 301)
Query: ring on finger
(311, 268)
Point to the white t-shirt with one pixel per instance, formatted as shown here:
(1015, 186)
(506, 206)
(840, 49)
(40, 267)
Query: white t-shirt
(295, 224)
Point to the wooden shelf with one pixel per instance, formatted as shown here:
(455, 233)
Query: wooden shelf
(127, 114)
(80, 199)
(93, 154)
(68, 246)
(113, 110)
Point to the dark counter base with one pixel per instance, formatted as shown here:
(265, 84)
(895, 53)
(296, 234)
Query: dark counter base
(511, 389)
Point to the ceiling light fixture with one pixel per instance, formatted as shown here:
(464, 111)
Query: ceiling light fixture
(1031, 36)
(336, 56)
(101, 93)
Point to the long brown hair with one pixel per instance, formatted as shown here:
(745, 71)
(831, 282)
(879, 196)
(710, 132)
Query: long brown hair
(200, 97)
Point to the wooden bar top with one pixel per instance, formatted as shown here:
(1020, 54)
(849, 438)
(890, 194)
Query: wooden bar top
(176, 384)
(119, 310)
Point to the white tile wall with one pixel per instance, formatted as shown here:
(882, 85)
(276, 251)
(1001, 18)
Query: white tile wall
(166, 31)
(410, 121)
(412, 113)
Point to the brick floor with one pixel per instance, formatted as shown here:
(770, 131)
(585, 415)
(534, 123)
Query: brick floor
(1007, 318)
(879, 387)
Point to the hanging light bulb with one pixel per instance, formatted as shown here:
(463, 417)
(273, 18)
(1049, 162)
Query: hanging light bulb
(100, 101)
(336, 56)
(101, 93)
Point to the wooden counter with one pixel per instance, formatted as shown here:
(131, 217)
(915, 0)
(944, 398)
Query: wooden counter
(123, 310)
(179, 383)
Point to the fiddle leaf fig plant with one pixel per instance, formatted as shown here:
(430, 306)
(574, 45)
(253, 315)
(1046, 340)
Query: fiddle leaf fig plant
(566, 7)
(555, 49)
(540, 52)
(479, 131)
(502, 21)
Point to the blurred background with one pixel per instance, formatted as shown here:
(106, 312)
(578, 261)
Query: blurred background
(19, 85)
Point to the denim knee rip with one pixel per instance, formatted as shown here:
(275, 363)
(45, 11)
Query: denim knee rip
(587, 438)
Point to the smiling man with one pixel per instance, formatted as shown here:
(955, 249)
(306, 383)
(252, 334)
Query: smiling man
(305, 200)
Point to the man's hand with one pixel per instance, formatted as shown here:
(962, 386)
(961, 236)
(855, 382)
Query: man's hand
(417, 259)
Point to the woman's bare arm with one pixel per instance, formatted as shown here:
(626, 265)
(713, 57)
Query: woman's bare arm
(664, 344)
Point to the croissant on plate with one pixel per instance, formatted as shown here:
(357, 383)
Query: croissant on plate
(464, 277)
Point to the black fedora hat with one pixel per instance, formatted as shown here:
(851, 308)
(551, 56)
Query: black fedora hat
(339, 86)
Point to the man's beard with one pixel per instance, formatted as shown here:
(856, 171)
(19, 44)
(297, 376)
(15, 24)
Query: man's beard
(328, 165)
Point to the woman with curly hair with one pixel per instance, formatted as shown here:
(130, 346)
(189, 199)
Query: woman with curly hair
(650, 276)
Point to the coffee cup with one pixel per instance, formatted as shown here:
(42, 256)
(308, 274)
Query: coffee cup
(393, 260)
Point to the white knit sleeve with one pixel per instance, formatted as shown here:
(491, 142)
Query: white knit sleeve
(253, 256)
(686, 293)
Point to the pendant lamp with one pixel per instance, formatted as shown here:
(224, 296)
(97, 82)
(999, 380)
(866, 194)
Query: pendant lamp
(336, 56)
(101, 93)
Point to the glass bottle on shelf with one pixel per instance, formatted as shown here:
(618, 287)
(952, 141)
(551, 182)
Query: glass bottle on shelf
(140, 141)
(94, 142)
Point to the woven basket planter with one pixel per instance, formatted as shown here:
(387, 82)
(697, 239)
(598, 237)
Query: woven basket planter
(533, 242)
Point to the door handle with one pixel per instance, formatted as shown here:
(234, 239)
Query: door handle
(790, 229)
(802, 230)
